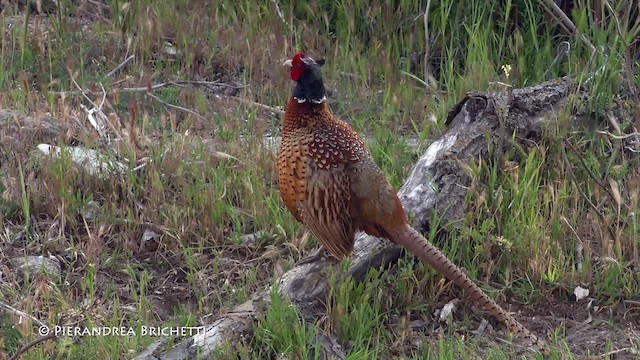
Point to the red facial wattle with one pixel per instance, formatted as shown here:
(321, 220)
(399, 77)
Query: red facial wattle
(297, 66)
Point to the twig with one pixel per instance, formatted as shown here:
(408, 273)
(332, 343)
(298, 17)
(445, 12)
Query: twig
(149, 89)
(563, 49)
(145, 88)
(628, 62)
(632, 149)
(84, 92)
(206, 84)
(21, 314)
(122, 64)
(104, 96)
(584, 165)
(566, 22)
(579, 246)
(92, 119)
(256, 104)
(613, 122)
(427, 73)
(613, 352)
(619, 137)
(175, 106)
(584, 196)
(280, 14)
(414, 78)
(96, 109)
(103, 118)
(35, 342)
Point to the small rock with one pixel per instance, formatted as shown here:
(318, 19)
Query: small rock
(580, 293)
(250, 239)
(448, 309)
(93, 162)
(35, 264)
(150, 240)
(169, 49)
(482, 327)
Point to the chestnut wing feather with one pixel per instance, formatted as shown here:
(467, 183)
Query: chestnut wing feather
(325, 210)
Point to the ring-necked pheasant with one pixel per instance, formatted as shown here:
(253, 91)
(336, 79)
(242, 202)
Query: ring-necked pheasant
(330, 183)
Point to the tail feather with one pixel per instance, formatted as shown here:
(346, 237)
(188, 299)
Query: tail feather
(413, 241)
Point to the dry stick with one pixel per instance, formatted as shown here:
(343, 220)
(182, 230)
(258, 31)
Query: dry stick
(619, 137)
(113, 128)
(613, 122)
(133, 89)
(427, 73)
(634, 29)
(566, 22)
(104, 96)
(145, 88)
(616, 126)
(579, 246)
(103, 117)
(176, 83)
(175, 106)
(208, 84)
(140, 89)
(280, 14)
(122, 64)
(562, 26)
(584, 165)
(562, 50)
(256, 104)
(83, 93)
(35, 342)
(613, 352)
(584, 196)
(21, 314)
(151, 87)
(615, 18)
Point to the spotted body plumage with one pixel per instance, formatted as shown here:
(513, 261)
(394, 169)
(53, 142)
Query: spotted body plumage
(330, 183)
(319, 160)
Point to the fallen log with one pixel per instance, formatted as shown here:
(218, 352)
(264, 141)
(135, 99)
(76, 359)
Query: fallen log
(480, 126)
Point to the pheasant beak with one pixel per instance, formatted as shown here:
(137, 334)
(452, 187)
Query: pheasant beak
(288, 63)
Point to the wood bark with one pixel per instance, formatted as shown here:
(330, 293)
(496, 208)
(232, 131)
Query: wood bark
(481, 126)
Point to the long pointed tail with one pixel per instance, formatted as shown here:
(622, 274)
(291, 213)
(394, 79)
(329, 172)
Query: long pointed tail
(413, 241)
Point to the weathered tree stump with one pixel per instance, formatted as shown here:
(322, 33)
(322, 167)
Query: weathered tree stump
(480, 126)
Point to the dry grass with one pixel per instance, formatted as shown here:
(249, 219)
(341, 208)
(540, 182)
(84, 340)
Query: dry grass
(199, 174)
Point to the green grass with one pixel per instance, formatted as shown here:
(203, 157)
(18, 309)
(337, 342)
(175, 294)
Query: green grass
(209, 181)
(297, 339)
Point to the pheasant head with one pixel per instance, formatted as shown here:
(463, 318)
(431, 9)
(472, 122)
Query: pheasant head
(306, 73)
